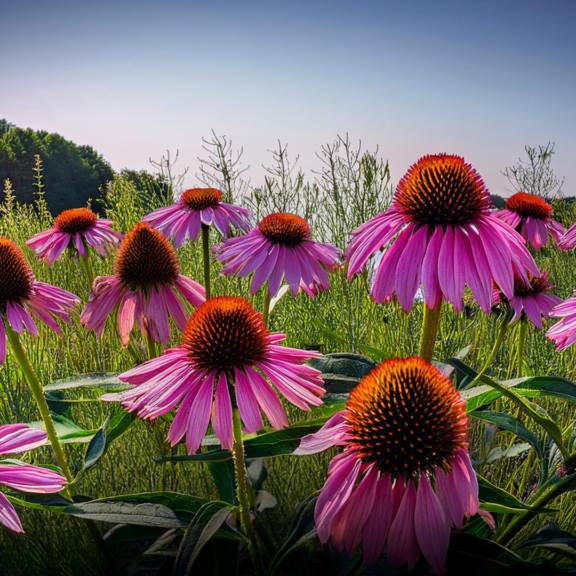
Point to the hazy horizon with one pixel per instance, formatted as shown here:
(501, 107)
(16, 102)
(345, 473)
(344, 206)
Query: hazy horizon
(136, 79)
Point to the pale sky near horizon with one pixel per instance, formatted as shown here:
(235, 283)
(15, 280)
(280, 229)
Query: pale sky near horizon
(133, 79)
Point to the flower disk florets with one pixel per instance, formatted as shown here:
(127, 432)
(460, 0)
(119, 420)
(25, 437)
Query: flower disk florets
(146, 258)
(200, 198)
(441, 190)
(285, 229)
(224, 334)
(406, 418)
(16, 276)
(528, 205)
(75, 220)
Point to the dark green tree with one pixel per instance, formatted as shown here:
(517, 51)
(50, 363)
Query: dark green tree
(72, 174)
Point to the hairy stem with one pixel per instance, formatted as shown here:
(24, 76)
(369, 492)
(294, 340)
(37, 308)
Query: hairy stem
(38, 393)
(429, 331)
(522, 329)
(266, 305)
(242, 487)
(88, 271)
(206, 252)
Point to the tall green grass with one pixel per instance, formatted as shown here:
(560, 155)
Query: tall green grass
(352, 186)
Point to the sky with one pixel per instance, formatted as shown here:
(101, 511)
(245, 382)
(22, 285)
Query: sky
(134, 79)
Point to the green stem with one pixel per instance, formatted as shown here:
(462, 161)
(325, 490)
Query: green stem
(266, 305)
(38, 393)
(206, 252)
(429, 331)
(151, 347)
(541, 501)
(521, 345)
(88, 271)
(242, 486)
(495, 350)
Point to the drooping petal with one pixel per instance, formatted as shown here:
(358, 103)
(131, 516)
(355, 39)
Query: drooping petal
(431, 527)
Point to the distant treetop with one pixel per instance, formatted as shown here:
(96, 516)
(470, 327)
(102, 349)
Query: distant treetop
(72, 174)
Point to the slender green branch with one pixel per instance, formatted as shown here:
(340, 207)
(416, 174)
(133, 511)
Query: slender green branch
(242, 486)
(88, 271)
(429, 331)
(206, 253)
(522, 329)
(151, 347)
(38, 393)
(266, 305)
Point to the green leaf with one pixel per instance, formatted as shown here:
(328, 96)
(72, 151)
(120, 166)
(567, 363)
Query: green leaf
(184, 505)
(155, 515)
(223, 474)
(302, 530)
(511, 424)
(551, 538)
(506, 389)
(499, 452)
(102, 380)
(68, 431)
(206, 523)
(538, 386)
(342, 371)
(267, 445)
(491, 494)
(475, 556)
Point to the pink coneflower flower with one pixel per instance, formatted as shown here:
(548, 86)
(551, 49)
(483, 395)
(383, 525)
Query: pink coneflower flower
(531, 216)
(564, 332)
(22, 298)
(198, 206)
(280, 247)
(16, 438)
(569, 239)
(78, 227)
(447, 238)
(534, 300)
(226, 347)
(144, 288)
(404, 476)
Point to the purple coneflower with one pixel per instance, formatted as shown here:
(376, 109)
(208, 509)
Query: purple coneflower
(16, 438)
(22, 298)
(531, 216)
(533, 299)
(405, 476)
(280, 247)
(564, 332)
(226, 352)
(447, 239)
(78, 227)
(145, 288)
(197, 207)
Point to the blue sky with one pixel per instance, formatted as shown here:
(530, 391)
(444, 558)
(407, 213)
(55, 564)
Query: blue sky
(133, 79)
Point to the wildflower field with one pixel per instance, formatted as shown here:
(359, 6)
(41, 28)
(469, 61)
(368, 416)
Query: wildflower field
(334, 376)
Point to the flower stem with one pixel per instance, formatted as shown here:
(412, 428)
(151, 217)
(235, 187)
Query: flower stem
(266, 305)
(38, 393)
(495, 350)
(88, 271)
(242, 487)
(429, 331)
(522, 329)
(206, 252)
(151, 347)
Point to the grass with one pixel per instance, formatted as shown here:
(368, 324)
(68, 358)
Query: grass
(352, 187)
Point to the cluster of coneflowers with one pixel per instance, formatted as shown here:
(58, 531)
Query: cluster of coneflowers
(403, 477)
